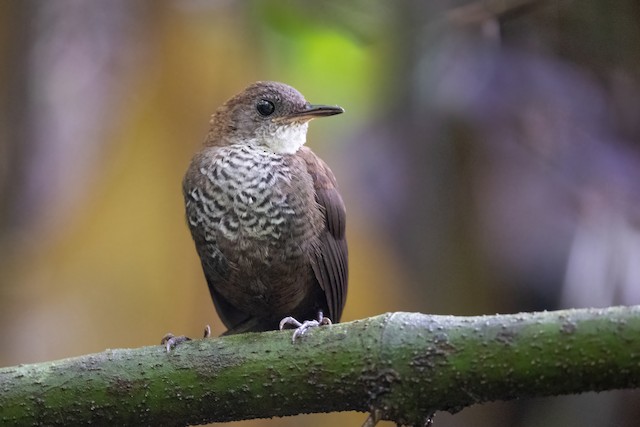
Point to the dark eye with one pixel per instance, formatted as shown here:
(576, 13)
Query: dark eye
(265, 108)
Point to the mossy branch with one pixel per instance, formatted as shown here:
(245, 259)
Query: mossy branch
(402, 366)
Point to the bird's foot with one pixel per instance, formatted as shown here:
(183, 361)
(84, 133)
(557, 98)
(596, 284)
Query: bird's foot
(373, 419)
(171, 341)
(303, 327)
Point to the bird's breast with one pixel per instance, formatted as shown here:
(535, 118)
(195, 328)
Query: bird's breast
(262, 203)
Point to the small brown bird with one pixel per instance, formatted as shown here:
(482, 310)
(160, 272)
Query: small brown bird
(265, 214)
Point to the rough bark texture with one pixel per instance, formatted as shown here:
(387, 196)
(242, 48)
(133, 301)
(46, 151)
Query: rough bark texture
(403, 365)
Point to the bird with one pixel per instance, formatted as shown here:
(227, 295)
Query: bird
(266, 216)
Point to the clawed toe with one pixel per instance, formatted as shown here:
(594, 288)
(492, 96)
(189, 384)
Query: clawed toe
(289, 321)
(303, 327)
(171, 341)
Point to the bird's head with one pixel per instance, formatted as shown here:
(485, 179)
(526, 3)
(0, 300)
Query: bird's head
(271, 115)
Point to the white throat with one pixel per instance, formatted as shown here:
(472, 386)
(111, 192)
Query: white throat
(284, 139)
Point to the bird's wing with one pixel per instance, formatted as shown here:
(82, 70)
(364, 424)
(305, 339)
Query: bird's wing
(330, 261)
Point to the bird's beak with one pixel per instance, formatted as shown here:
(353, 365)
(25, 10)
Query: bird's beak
(311, 112)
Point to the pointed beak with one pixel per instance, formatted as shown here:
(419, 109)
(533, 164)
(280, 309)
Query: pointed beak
(311, 112)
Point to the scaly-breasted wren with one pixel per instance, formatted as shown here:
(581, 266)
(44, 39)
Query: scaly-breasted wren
(265, 213)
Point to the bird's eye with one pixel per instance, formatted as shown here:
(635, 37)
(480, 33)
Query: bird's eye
(265, 108)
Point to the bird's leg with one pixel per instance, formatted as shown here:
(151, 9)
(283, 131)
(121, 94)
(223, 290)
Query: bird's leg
(301, 328)
(171, 341)
(374, 417)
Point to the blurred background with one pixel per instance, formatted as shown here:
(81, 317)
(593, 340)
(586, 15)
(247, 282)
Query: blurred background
(489, 160)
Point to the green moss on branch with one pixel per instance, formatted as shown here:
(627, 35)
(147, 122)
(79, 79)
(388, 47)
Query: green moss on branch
(404, 365)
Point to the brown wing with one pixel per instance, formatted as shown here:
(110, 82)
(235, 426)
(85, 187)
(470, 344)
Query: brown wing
(330, 262)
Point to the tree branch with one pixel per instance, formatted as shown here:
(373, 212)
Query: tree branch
(403, 366)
